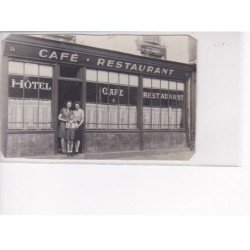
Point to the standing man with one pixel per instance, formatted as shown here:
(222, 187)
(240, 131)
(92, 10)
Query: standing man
(79, 117)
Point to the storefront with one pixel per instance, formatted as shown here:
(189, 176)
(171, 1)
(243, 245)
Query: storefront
(131, 103)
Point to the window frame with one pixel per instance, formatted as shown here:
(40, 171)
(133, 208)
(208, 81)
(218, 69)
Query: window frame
(184, 106)
(53, 79)
(118, 84)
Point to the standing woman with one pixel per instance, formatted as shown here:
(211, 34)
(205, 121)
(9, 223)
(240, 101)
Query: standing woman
(79, 117)
(63, 117)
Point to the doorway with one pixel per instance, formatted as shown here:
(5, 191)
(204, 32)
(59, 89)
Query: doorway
(69, 91)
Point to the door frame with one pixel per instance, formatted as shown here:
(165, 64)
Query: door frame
(82, 81)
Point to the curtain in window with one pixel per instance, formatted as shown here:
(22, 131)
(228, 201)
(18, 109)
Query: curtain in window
(156, 121)
(27, 109)
(30, 113)
(111, 100)
(109, 115)
(103, 117)
(172, 117)
(123, 119)
(164, 118)
(45, 121)
(179, 117)
(29, 106)
(91, 115)
(15, 113)
(113, 116)
(132, 117)
(147, 117)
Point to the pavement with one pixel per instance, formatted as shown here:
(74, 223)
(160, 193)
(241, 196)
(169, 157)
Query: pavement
(181, 155)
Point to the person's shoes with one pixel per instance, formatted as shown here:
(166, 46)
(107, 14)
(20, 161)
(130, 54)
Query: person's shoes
(76, 153)
(68, 154)
(71, 154)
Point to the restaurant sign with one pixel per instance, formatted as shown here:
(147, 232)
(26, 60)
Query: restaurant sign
(94, 61)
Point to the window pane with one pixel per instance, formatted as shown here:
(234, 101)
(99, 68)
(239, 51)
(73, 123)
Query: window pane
(30, 96)
(30, 114)
(113, 116)
(102, 76)
(113, 77)
(147, 83)
(110, 93)
(172, 118)
(133, 96)
(45, 121)
(45, 71)
(156, 117)
(123, 119)
(164, 118)
(15, 68)
(180, 86)
(133, 80)
(31, 69)
(147, 117)
(45, 91)
(102, 113)
(147, 102)
(172, 85)
(132, 117)
(156, 84)
(15, 113)
(91, 92)
(69, 71)
(164, 84)
(123, 79)
(91, 75)
(15, 86)
(91, 115)
(31, 87)
(180, 105)
(112, 104)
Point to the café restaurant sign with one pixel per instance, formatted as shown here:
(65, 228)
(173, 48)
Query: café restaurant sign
(93, 61)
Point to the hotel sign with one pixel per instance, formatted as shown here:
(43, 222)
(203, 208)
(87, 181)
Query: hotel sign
(94, 61)
(30, 87)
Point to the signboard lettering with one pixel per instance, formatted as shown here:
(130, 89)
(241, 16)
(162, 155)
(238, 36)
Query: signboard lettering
(30, 87)
(135, 67)
(30, 84)
(166, 96)
(61, 56)
(112, 92)
(161, 69)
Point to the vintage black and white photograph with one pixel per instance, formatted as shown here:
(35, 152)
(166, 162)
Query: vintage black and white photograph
(99, 96)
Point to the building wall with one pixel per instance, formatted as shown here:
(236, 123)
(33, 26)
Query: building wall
(178, 46)
(164, 140)
(20, 145)
(120, 141)
(1, 91)
(112, 142)
(42, 143)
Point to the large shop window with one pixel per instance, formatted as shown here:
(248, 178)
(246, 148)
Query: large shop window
(30, 92)
(111, 100)
(163, 104)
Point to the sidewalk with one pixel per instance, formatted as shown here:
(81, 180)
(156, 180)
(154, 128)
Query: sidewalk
(180, 155)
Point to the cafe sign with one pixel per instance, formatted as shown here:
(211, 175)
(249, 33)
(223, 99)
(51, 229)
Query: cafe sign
(162, 69)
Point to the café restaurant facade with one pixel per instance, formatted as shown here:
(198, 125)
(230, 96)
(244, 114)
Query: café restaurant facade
(131, 103)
